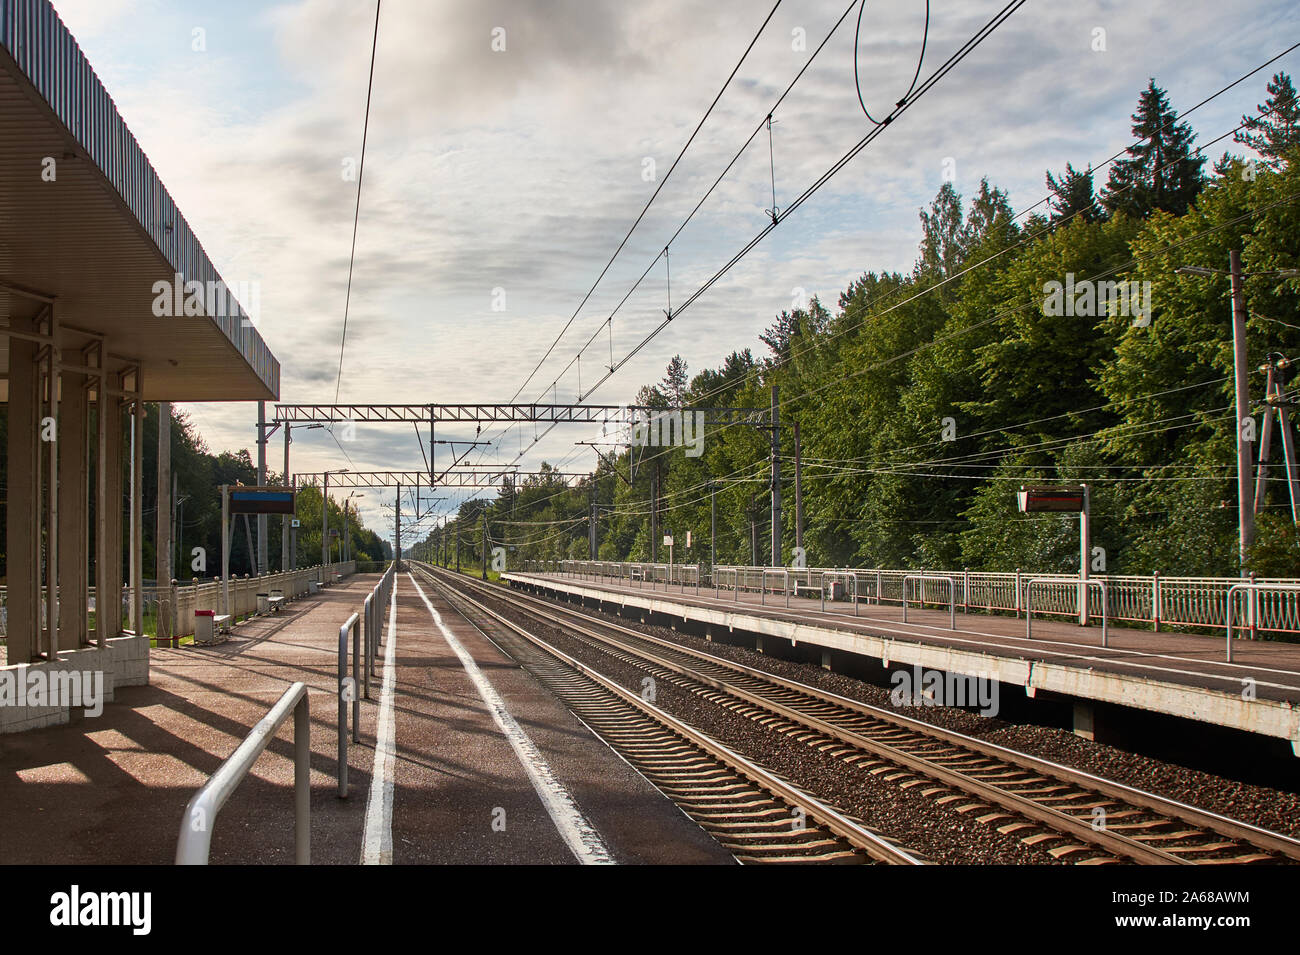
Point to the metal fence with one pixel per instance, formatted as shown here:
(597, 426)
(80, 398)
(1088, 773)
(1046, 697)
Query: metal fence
(174, 605)
(1154, 601)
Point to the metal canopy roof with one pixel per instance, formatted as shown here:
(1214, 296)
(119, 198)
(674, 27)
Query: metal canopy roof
(105, 230)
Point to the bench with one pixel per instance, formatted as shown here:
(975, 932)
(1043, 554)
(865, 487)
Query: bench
(275, 603)
(807, 588)
(221, 622)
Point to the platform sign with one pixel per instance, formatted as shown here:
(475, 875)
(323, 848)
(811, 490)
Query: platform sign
(295, 523)
(261, 500)
(668, 540)
(1059, 500)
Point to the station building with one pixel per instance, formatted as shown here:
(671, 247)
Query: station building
(87, 233)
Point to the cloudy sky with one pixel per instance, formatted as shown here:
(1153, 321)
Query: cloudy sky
(509, 176)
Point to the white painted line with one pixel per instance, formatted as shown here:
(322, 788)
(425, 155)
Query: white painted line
(579, 834)
(377, 847)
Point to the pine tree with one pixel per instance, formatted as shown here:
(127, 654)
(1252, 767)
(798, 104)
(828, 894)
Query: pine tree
(675, 381)
(1074, 196)
(1276, 130)
(1162, 171)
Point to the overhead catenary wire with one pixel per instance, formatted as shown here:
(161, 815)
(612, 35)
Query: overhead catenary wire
(356, 214)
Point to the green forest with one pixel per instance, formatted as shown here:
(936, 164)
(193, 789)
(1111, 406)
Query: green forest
(199, 475)
(924, 400)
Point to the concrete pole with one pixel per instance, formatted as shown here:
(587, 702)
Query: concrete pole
(325, 526)
(163, 514)
(776, 481)
(713, 525)
(1085, 554)
(263, 559)
(52, 484)
(108, 424)
(654, 514)
(1241, 378)
(397, 529)
(137, 509)
(286, 521)
(485, 543)
(225, 548)
(798, 489)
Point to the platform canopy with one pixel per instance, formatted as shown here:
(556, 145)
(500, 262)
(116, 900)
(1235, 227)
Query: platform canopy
(85, 221)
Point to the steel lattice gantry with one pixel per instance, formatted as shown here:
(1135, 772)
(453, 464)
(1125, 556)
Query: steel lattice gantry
(485, 478)
(540, 413)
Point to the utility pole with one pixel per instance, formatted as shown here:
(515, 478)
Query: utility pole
(325, 527)
(776, 481)
(397, 530)
(485, 543)
(713, 525)
(1276, 403)
(286, 520)
(654, 514)
(1241, 373)
(591, 530)
(798, 489)
(262, 546)
(458, 544)
(1241, 382)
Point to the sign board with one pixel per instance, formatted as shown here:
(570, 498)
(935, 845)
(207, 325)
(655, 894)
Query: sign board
(668, 540)
(261, 500)
(688, 538)
(334, 532)
(1060, 500)
(295, 523)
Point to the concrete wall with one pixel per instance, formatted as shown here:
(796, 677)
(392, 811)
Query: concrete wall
(123, 661)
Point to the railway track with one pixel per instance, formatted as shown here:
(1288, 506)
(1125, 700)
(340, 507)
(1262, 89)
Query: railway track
(1073, 816)
(754, 814)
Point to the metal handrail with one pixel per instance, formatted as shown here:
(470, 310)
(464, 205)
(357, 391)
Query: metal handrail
(1253, 589)
(762, 583)
(346, 690)
(847, 575)
(200, 816)
(1066, 582)
(952, 595)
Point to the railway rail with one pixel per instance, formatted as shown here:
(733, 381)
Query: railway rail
(1072, 815)
(757, 816)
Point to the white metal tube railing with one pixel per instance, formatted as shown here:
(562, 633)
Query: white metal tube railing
(200, 816)
(1074, 584)
(923, 579)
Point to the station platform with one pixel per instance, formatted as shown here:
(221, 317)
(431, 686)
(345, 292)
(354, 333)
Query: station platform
(1177, 674)
(435, 779)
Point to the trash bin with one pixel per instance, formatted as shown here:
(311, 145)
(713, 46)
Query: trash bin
(263, 604)
(835, 590)
(204, 631)
(313, 586)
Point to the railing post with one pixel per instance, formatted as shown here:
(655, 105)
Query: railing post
(302, 783)
(343, 712)
(1155, 601)
(1253, 606)
(356, 670)
(1018, 594)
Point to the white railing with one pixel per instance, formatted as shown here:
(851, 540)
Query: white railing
(1154, 600)
(1057, 583)
(201, 813)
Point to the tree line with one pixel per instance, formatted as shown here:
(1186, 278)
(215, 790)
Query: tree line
(923, 400)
